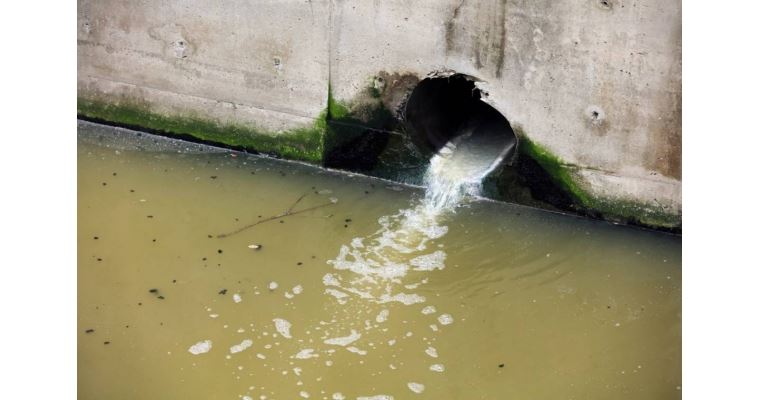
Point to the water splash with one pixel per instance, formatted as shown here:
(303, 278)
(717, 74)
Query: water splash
(377, 263)
(458, 169)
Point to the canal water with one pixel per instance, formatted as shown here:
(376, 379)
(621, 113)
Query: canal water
(209, 274)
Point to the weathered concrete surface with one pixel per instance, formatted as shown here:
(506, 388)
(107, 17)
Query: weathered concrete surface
(596, 83)
(262, 63)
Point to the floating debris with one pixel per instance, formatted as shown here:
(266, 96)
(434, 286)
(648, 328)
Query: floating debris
(201, 347)
(345, 340)
(283, 327)
(242, 346)
(254, 246)
(306, 354)
(416, 387)
(445, 319)
(428, 310)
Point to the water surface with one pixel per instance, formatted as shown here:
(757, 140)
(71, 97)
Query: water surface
(361, 295)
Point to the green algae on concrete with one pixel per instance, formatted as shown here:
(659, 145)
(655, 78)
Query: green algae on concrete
(553, 165)
(304, 144)
(616, 210)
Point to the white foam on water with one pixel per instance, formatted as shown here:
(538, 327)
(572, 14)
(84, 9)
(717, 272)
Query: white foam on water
(338, 396)
(403, 298)
(273, 285)
(330, 280)
(283, 327)
(356, 350)
(304, 394)
(242, 346)
(382, 316)
(236, 298)
(298, 289)
(306, 354)
(432, 352)
(416, 387)
(201, 347)
(437, 368)
(345, 340)
(428, 310)
(445, 319)
(429, 262)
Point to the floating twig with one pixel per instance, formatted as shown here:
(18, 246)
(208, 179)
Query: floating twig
(287, 213)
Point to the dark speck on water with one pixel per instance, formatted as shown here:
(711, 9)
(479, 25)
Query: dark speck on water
(89, 331)
(131, 190)
(106, 342)
(161, 297)
(219, 251)
(150, 216)
(96, 238)
(104, 183)
(223, 291)
(299, 263)
(153, 290)
(100, 259)
(154, 240)
(114, 174)
(501, 365)
(174, 281)
(348, 219)
(213, 176)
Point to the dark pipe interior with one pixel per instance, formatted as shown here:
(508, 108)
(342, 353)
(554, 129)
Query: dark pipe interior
(440, 109)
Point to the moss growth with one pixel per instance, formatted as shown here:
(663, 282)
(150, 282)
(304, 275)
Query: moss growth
(616, 210)
(335, 110)
(553, 165)
(303, 144)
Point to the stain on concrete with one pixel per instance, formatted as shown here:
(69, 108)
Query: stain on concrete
(175, 40)
(478, 31)
(394, 89)
(596, 119)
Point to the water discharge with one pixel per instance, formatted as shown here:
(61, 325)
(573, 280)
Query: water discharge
(378, 263)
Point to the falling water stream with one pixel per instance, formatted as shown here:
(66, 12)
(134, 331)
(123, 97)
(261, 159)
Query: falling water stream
(377, 291)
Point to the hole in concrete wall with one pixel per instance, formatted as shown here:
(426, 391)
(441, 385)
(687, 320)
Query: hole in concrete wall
(442, 108)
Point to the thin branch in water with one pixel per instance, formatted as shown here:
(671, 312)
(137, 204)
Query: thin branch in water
(289, 212)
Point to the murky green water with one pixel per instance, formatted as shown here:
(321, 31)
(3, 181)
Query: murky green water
(372, 298)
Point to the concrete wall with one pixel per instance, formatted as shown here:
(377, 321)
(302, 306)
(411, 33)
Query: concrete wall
(263, 63)
(596, 83)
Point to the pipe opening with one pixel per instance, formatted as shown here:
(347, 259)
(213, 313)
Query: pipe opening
(446, 110)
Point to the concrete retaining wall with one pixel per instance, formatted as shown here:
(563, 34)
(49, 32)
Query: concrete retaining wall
(594, 85)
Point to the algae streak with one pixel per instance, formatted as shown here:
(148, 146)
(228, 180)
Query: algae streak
(305, 144)
(617, 210)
